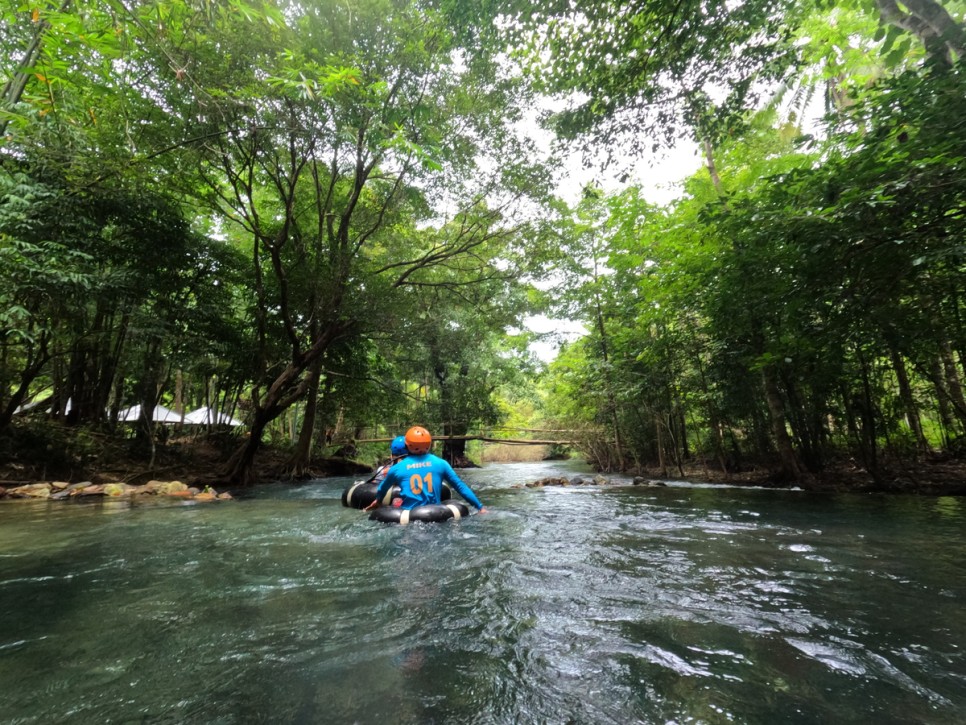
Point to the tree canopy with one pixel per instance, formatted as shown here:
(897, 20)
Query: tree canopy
(330, 217)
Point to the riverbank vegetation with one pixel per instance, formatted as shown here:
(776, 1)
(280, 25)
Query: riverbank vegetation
(329, 220)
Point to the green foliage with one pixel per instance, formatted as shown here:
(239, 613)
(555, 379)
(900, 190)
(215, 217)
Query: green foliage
(326, 216)
(635, 70)
(835, 273)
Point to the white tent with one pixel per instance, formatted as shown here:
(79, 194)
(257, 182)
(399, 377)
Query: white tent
(27, 407)
(206, 416)
(161, 415)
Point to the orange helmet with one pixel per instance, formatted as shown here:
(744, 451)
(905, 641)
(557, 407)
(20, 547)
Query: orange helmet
(418, 440)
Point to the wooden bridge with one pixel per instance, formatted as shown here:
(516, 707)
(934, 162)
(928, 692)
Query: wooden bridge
(487, 436)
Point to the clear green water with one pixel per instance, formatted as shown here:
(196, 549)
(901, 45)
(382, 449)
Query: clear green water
(591, 605)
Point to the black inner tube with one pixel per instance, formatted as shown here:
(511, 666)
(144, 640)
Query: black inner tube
(431, 512)
(360, 494)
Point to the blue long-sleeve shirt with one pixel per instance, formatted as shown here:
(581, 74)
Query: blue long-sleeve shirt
(421, 478)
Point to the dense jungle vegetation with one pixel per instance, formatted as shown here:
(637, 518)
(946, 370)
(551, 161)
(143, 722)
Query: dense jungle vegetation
(333, 219)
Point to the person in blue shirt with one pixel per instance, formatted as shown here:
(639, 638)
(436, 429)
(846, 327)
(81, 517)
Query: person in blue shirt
(397, 450)
(421, 475)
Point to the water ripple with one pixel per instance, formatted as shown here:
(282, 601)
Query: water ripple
(580, 604)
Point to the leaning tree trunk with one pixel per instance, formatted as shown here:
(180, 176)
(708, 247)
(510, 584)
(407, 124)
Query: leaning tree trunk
(289, 386)
(31, 370)
(240, 469)
(908, 401)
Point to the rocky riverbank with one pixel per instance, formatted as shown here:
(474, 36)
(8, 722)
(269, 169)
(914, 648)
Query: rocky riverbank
(61, 491)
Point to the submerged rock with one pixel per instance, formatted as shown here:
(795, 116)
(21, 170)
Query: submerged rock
(641, 481)
(551, 481)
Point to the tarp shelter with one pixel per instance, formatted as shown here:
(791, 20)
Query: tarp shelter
(161, 415)
(207, 416)
(27, 407)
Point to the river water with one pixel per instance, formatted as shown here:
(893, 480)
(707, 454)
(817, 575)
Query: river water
(613, 604)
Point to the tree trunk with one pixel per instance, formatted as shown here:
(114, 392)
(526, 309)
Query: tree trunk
(302, 455)
(953, 384)
(659, 437)
(851, 425)
(288, 387)
(908, 401)
(15, 86)
(29, 373)
(929, 21)
(942, 399)
(714, 422)
(683, 428)
(609, 391)
(868, 422)
(712, 167)
(789, 462)
(240, 469)
(179, 393)
(454, 451)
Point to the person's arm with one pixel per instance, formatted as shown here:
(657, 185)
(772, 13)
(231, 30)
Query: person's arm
(375, 475)
(383, 489)
(465, 491)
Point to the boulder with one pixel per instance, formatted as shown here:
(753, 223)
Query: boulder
(31, 490)
(173, 488)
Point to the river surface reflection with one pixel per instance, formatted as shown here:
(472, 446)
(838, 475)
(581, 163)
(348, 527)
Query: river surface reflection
(611, 604)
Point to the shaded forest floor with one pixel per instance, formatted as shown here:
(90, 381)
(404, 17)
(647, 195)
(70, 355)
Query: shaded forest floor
(51, 453)
(75, 456)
